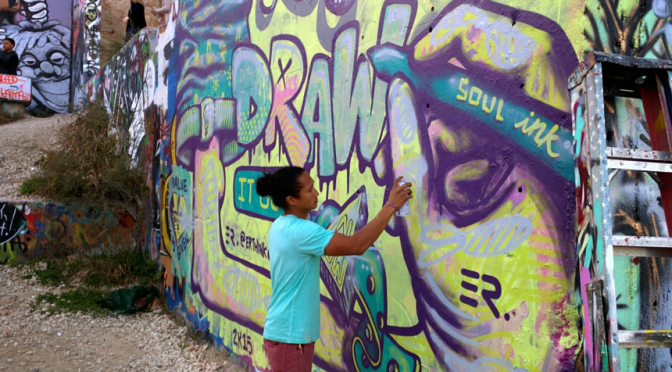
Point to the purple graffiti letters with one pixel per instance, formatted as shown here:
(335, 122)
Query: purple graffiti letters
(355, 99)
(286, 86)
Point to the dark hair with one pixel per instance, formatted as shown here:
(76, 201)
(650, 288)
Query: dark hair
(11, 41)
(281, 184)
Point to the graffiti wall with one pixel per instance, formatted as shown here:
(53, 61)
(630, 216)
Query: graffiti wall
(85, 62)
(77, 73)
(92, 14)
(123, 86)
(468, 100)
(41, 29)
(31, 229)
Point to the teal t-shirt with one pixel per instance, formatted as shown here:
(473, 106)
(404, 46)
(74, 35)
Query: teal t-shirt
(295, 247)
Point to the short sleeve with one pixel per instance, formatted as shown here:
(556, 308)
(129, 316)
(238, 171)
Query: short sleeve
(312, 238)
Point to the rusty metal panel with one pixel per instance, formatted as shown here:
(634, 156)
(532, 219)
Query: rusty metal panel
(581, 71)
(627, 61)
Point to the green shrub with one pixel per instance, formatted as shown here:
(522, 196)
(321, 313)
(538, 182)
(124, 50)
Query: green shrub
(121, 267)
(78, 299)
(89, 165)
(32, 184)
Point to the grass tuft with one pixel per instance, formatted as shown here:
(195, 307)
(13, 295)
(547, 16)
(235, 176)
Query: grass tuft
(121, 267)
(88, 279)
(110, 49)
(55, 273)
(79, 299)
(32, 185)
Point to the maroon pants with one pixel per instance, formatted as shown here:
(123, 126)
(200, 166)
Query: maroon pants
(289, 357)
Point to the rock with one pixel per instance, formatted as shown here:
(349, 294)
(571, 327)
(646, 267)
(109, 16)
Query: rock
(156, 304)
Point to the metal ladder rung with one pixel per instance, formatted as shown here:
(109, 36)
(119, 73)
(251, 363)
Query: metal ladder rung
(634, 154)
(639, 165)
(645, 339)
(639, 160)
(641, 246)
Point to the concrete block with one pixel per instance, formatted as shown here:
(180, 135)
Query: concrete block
(13, 109)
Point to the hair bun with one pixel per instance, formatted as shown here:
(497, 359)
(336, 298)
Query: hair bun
(265, 184)
(280, 184)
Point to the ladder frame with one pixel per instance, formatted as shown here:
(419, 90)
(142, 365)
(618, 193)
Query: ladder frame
(588, 76)
(600, 190)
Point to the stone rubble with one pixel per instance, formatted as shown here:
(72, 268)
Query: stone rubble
(32, 341)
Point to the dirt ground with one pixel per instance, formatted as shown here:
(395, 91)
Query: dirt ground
(114, 11)
(32, 340)
(20, 145)
(113, 29)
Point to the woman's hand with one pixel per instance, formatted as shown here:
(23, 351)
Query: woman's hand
(359, 242)
(124, 20)
(400, 194)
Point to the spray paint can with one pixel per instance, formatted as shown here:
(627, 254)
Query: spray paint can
(405, 209)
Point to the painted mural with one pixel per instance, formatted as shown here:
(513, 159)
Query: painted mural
(468, 100)
(633, 28)
(92, 14)
(122, 86)
(77, 72)
(31, 229)
(85, 46)
(41, 30)
(479, 278)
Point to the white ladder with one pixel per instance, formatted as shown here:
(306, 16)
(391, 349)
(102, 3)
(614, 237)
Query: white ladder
(603, 75)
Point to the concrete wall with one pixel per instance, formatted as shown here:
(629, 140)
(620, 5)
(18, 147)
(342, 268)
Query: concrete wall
(468, 99)
(41, 29)
(57, 42)
(35, 229)
(86, 27)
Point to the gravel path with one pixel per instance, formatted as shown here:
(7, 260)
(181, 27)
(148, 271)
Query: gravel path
(20, 145)
(31, 341)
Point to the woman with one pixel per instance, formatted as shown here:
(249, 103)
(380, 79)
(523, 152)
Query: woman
(8, 9)
(162, 11)
(135, 21)
(295, 247)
